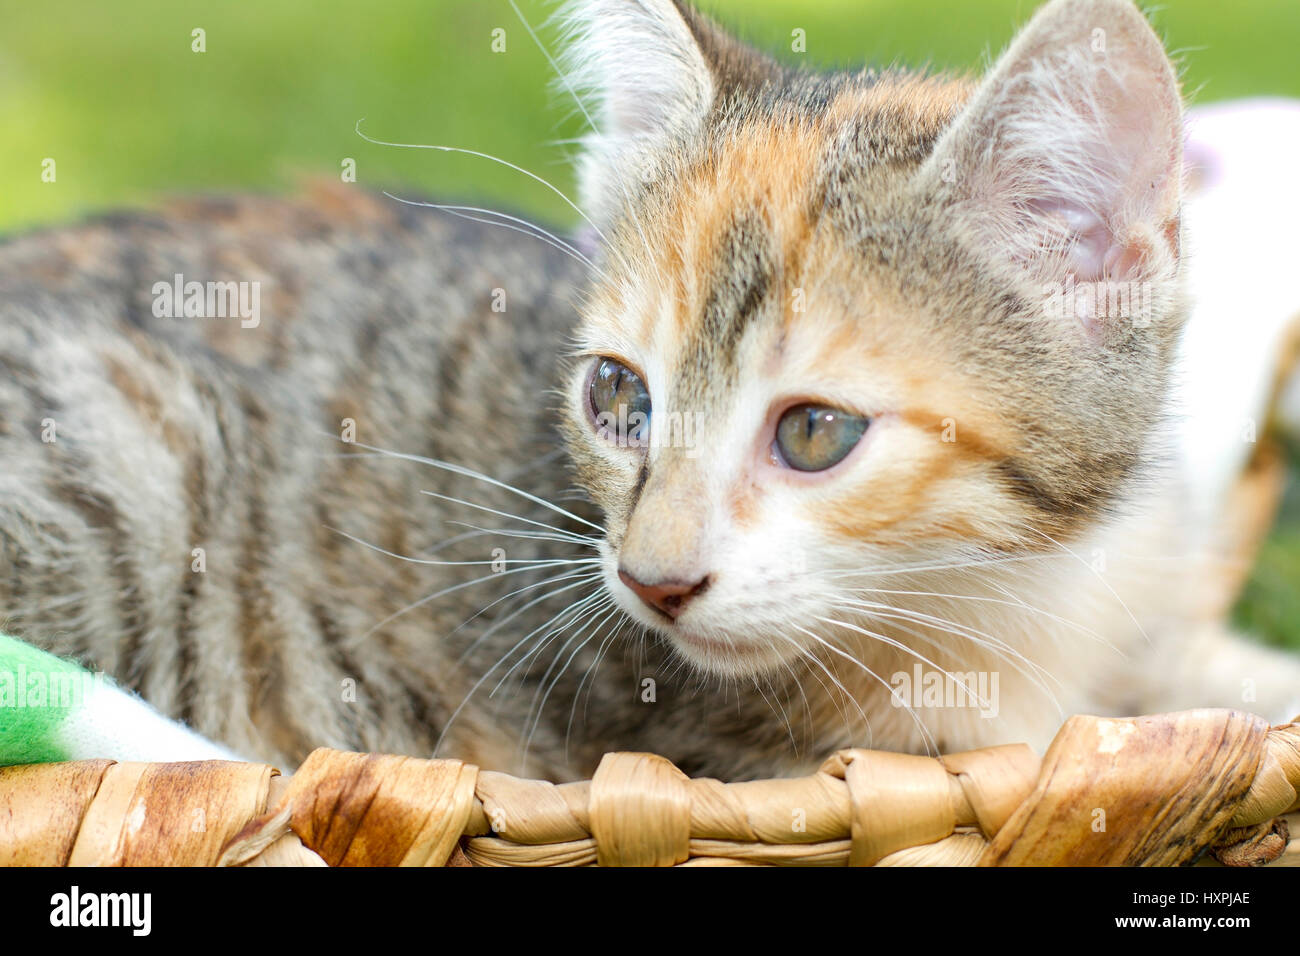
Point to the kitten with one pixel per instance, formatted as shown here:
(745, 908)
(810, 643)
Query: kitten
(859, 463)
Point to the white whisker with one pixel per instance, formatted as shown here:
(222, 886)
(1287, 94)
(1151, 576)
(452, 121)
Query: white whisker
(434, 596)
(488, 673)
(920, 724)
(490, 158)
(1104, 582)
(577, 538)
(899, 645)
(989, 600)
(470, 473)
(844, 692)
(528, 228)
(454, 564)
(541, 706)
(578, 579)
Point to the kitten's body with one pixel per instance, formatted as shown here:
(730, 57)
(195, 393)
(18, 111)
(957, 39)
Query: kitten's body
(175, 434)
(1070, 578)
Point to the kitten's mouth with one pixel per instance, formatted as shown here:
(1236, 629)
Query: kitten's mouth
(721, 655)
(702, 644)
(716, 653)
(714, 645)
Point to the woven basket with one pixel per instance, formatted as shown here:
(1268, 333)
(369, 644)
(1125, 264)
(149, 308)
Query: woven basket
(1162, 790)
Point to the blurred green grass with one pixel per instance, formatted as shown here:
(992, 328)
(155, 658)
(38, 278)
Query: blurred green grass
(114, 94)
(1270, 602)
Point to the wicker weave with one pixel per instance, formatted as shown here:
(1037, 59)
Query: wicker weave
(1150, 790)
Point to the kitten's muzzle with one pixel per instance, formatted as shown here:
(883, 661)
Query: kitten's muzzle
(668, 597)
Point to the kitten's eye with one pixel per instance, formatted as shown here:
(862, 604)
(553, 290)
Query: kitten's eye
(815, 437)
(620, 403)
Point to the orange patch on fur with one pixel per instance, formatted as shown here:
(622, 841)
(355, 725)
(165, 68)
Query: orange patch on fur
(744, 505)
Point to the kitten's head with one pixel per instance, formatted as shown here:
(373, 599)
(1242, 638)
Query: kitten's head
(843, 322)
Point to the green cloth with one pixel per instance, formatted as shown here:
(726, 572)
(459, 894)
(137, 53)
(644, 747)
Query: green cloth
(52, 710)
(36, 695)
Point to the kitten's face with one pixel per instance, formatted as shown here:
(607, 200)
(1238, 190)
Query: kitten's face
(801, 370)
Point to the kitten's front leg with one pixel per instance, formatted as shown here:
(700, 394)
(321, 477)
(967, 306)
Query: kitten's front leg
(1216, 667)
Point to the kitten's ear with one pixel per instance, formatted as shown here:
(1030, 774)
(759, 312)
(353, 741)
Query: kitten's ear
(1068, 159)
(641, 76)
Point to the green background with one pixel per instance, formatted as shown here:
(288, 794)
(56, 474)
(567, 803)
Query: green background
(111, 90)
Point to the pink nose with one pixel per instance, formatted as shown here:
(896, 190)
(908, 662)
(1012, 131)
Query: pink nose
(670, 597)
